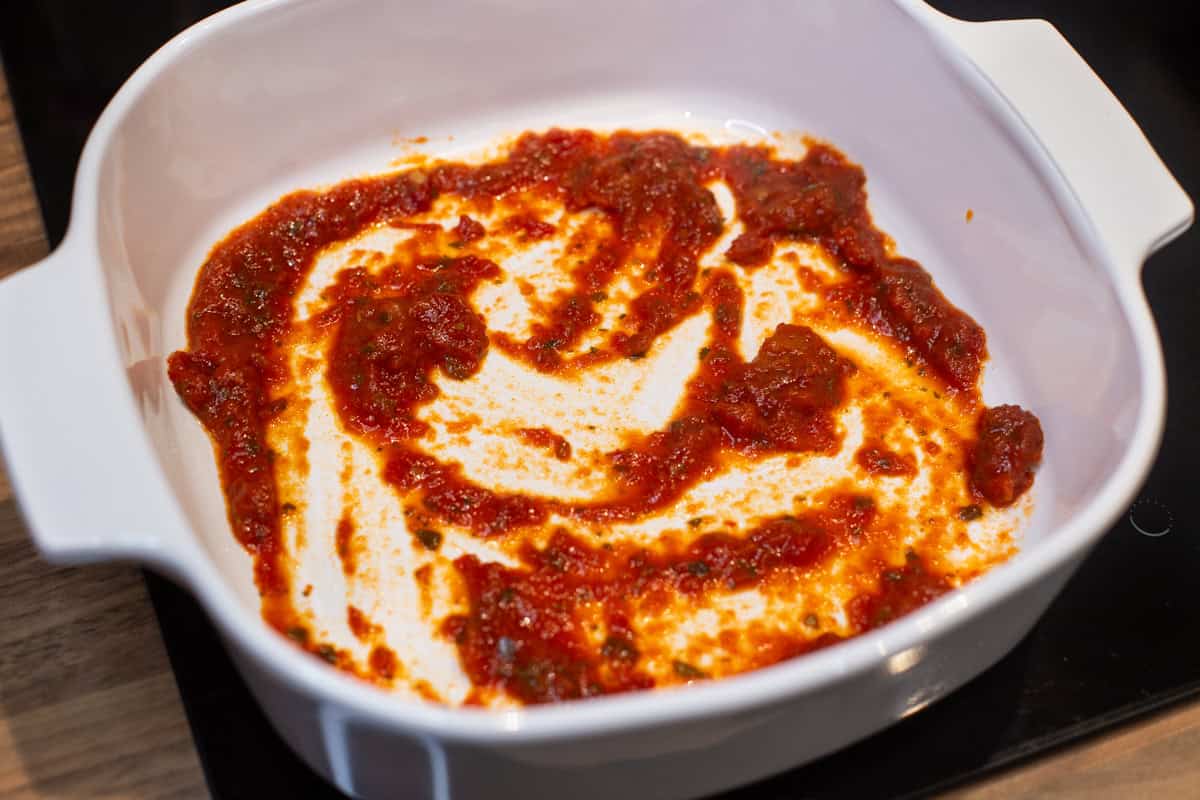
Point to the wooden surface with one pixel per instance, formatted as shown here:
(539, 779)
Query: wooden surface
(89, 708)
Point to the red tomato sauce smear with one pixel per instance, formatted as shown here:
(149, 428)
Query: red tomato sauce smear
(400, 331)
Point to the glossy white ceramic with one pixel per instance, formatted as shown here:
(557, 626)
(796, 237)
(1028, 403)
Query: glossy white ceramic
(1003, 118)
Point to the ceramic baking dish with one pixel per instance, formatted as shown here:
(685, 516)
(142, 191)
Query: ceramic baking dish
(1003, 118)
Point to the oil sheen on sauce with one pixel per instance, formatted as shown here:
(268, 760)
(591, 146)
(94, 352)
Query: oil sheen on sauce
(605, 412)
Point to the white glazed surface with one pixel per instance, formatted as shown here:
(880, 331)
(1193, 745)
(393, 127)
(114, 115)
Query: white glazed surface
(276, 95)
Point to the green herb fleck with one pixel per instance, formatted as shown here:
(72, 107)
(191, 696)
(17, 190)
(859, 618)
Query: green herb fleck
(619, 649)
(687, 671)
(971, 512)
(429, 538)
(506, 648)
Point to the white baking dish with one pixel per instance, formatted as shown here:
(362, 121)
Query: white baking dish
(1003, 118)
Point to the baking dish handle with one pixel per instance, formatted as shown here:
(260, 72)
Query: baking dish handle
(1134, 202)
(75, 447)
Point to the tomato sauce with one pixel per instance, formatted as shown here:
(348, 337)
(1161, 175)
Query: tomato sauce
(360, 625)
(878, 460)
(1008, 450)
(902, 589)
(396, 334)
(344, 541)
(548, 440)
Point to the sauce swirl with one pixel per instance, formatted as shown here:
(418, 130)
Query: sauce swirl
(566, 620)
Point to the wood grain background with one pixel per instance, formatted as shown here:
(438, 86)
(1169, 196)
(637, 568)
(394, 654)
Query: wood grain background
(89, 707)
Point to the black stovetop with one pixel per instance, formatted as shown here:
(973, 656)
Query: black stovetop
(1119, 643)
